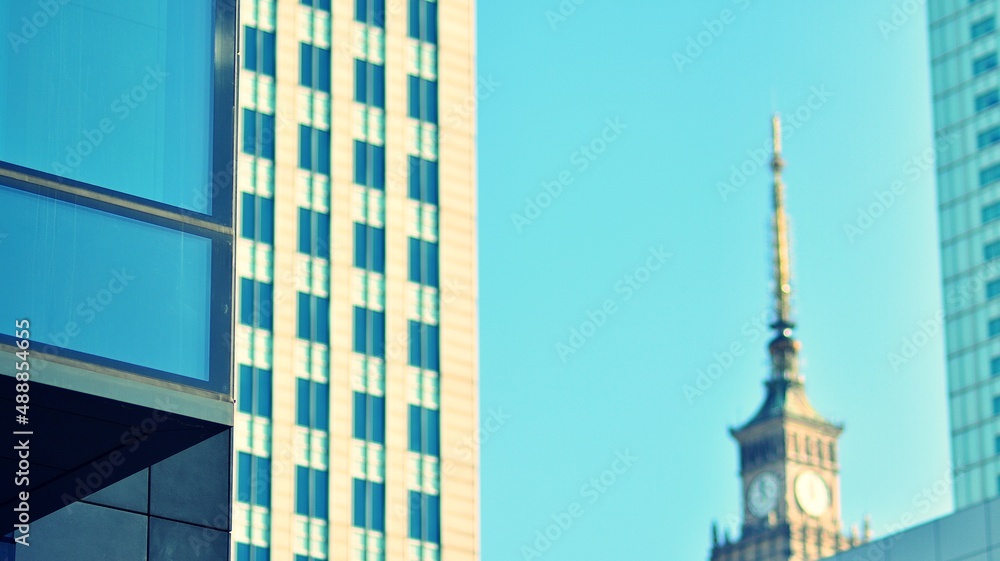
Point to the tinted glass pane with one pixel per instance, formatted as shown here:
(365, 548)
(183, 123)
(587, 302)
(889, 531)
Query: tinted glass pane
(360, 81)
(305, 231)
(303, 407)
(304, 314)
(305, 147)
(323, 235)
(415, 429)
(415, 515)
(105, 285)
(378, 506)
(433, 518)
(265, 305)
(378, 334)
(305, 65)
(432, 430)
(321, 493)
(264, 393)
(267, 53)
(322, 320)
(321, 393)
(360, 501)
(126, 102)
(378, 419)
(322, 69)
(360, 331)
(248, 225)
(262, 481)
(245, 397)
(244, 469)
(266, 212)
(302, 490)
(246, 301)
(360, 415)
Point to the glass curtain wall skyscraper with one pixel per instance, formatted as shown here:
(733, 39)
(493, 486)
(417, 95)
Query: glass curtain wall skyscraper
(356, 359)
(964, 51)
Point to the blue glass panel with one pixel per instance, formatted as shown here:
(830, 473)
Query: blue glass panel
(245, 397)
(413, 91)
(304, 330)
(264, 393)
(321, 493)
(105, 285)
(415, 515)
(268, 53)
(415, 430)
(360, 416)
(244, 467)
(246, 301)
(430, 97)
(249, 131)
(993, 289)
(987, 100)
(378, 167)
(996, 405)
(262, 481)
(378, 334)
(322, 416)
(323, 69)
(305, 147)
(242, 552)
(249, 223)
(323, 152)
(414, 275)
(378, 506)
(433, 518)
(360, 163)
(322, 319)
(995, 366)
(991, 251)
(323, 235)
(430, 22)
(360, 246)
(413, 19)
(431, 255)
(378, 419)
(432, 429)
(360, 330)
(305, 232)
(994, 327)
(360, 81)
(265, 305)
(415, 343)
(126, 102)
(266, 220)
(360, 502)
(302, 402)
(302, 490)
(249, 48)
(305, 65)
(266, 138)
(261, 553)
(378, 85)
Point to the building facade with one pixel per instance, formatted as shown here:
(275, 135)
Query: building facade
(966, 98)
(972, 533)
(789, 462)
(356, 282)
(116, 316)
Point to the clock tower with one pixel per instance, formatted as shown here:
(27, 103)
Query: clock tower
(789, 462)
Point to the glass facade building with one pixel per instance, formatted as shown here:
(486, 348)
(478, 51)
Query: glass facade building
(965, 79)
(117, 162)
(356, 329)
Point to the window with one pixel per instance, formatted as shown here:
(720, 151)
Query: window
(990, 213)
(984, 64)
(314, 233)
(992, 289)
(258, 218)
(369, 83)
(256, 303)
(424, 345)
(996, 405)
(369, 248)
(982, 27)
(247, 552)
(991, 251)
(423, 99)
(314, 149)
(425, 517)
(423, 180)
(369, 165)
(425, 427)
(994, 327)
(995, 366)
(371, 12)
(258, 134)
(989, 175)
(424, 262)
(253, 479)
(314, 318)
(312, 492)
(369, 505)
(422, 23)
(259, 50)
(254, 391)
(314, 67)
(987, 100)
(988, 137)
(312, 404)
(317, 4)
(369, 417)
(369, 332)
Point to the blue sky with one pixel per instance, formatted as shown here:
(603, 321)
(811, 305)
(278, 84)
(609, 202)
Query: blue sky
(645, 227)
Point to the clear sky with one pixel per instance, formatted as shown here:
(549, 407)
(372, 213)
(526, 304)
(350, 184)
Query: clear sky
(634, 143)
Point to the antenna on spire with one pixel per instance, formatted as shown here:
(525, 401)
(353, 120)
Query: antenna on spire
(784, 349)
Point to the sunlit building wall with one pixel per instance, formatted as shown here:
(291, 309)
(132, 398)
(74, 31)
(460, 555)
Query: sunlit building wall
(356, 282)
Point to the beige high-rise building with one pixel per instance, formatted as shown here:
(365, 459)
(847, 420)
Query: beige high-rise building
(356, 350)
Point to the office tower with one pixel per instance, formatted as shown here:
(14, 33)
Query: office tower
(789, 462)
(966, 100)
(117, 242)
(356, 282)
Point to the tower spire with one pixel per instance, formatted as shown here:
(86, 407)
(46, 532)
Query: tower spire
(784, 349)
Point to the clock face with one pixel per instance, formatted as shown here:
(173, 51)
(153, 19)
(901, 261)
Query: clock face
(812, 493)
(762, 495)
